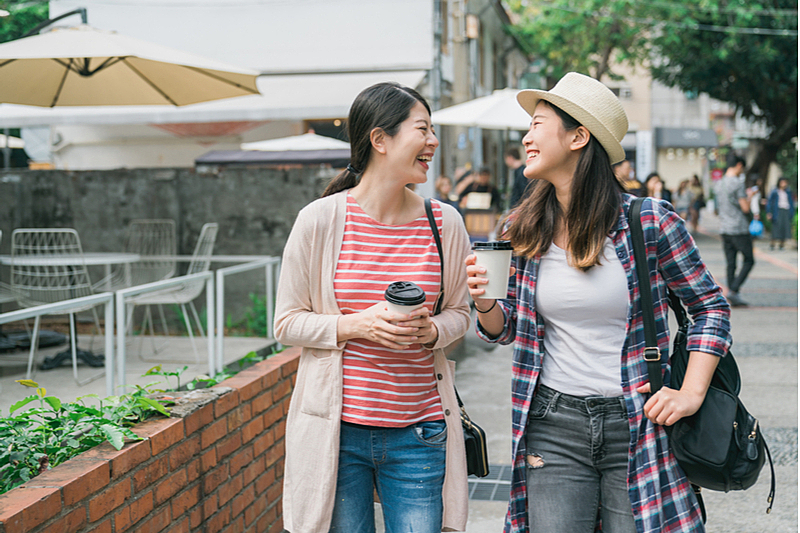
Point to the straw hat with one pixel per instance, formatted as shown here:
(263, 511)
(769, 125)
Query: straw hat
(589, 102)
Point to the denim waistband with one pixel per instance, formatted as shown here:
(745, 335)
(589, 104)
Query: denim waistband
(611, 405)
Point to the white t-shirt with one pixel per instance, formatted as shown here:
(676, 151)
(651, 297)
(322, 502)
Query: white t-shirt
(586, 318)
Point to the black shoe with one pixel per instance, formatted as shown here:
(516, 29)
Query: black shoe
(735, 300)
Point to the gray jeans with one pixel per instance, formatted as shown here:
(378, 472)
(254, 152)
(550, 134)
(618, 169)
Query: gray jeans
(577, 463)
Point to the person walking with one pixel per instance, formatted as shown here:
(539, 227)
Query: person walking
(698, 202)
(444, 188)
(514, 162)
(623, 172)
(683, 199)
(482, 185)
(655, 188)
(585, 431)
(733, 205)
(374, 406)
(780, 210)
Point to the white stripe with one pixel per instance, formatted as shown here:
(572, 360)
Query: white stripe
(367, 252)
(431, 401)
(398, 273)
(373, 409)
(384, 245)
(404, 420)
(357, 261)
(379, 370)
(374, 281)
(382, 391)
(373, 380)
(369, 356)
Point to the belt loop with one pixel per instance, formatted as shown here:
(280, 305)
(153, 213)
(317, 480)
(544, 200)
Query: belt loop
(554, 401)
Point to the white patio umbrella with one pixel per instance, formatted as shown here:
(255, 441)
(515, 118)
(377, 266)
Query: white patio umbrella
(305, 142)
(497, 111)
(84, 66)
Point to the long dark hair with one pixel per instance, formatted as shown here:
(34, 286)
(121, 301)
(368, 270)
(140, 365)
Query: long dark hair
(384, 105)
(594, 206)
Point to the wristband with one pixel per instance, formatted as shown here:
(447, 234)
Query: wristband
(484, 312)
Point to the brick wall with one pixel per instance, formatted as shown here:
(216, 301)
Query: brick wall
(218, 469)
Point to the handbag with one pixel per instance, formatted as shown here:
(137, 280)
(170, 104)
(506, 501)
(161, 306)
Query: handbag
(756, 228)
(720, 447)
(474, 436)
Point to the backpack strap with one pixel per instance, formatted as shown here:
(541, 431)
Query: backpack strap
(437, 308)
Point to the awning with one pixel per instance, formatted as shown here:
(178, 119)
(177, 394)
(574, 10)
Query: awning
(283, 97)
(685, 138)
(336, 158)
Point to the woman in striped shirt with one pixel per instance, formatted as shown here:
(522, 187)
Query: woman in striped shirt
(374, 407)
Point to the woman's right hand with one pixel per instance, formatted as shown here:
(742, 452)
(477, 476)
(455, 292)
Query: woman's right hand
(373, 323)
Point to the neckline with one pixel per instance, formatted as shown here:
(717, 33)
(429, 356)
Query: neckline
(379, 223)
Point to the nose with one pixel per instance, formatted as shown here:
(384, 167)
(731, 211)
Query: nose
(432, 140)
(528, 139)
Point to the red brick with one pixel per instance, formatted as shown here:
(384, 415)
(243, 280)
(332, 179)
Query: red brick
(133, 512)
(150, 474)
(272, 416)
(219, 520)
(226, 402)
(279, 429)
(170, 486)
(228, 446)
(264, 481)
(242, 500)
(193, 470)
(215, 478)
(229, 490)
(195, 518)
(275, 453)
(277, 526)
(272, 375)
(253, 470)
(185, 501)
(109, 499)
(105, 527)
(199, 419)
(236, 526)
(210, 506)
(77, 478)
(241, 459)
(71, 523)
(252, 429)
(163, 432)
(263, 443)
(288, 361)
(208, 460)
(133, 455)
(213, 433)
(274, 492)
(281, 389)
(261, 402)
(237, 417)
(24, 508)
(155, 524)
(181, 527)
(184, 451)
(247, 382)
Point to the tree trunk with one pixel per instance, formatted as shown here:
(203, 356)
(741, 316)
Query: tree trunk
(768, 151)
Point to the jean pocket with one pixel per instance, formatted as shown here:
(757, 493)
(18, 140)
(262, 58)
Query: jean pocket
(431, 433)
(539, 408)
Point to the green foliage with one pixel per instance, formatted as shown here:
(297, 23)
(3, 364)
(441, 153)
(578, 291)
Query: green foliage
(787, 161)
(254, 322)
(24, 17)
(157, 371)
(204, 381)
(44, 436)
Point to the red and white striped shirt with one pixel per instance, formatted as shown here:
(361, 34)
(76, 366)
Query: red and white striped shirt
(384, 387)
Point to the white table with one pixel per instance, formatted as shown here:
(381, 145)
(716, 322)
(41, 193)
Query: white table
(89, 259)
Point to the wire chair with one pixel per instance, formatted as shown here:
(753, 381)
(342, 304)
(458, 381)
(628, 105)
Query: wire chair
(182, 294)
(6, 292)
(47, 266)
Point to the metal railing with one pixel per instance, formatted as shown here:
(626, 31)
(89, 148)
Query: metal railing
(123, 295)
(104, 298)
(269, 264)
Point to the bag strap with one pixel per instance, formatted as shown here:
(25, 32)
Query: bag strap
(437, 308)
(651, 352)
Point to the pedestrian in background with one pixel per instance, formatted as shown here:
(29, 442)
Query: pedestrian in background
(683, 199)
(733, 205)
(573, 312)
(444, 190)
(698, 202)
(514, 162)
(780, 210)
(482, 184)
(624, 174)
(655, 188)
(374, 405)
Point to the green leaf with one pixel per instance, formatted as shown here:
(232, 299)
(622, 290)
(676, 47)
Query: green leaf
(27, 382)
(114, 435)
(155, 371)
(22, 403)
(54, 402)
(154, 405)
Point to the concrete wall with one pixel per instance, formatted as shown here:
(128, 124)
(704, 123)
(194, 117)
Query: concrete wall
(254, 207)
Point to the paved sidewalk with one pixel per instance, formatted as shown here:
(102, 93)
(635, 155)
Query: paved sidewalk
(765, 347)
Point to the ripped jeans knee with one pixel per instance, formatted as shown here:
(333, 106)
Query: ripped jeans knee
(535, 460)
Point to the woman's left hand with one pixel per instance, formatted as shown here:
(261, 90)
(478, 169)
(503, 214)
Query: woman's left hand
(420, 318)
(667, 406)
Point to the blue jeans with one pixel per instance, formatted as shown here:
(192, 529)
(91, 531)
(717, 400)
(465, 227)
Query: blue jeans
(405, 465)
(578, 460)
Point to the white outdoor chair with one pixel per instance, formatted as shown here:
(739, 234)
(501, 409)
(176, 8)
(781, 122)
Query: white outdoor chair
(47, 266)
(6, 293)
(182, 294)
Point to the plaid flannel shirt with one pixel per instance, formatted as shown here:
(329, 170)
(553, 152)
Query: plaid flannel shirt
(661, 496)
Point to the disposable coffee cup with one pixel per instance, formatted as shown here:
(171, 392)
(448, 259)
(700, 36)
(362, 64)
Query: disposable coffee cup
(403, 297)
(495, 257)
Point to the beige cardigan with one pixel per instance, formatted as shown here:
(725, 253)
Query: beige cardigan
(306, 315)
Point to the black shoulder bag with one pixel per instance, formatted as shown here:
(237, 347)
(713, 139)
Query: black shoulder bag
(720, 447)
(474, 436)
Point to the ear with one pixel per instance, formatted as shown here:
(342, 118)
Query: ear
(377, 137)
(580, 138)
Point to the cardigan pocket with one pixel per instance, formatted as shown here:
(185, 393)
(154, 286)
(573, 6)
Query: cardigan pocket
(318, 387)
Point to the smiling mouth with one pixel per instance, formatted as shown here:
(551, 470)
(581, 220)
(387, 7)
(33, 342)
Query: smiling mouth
(532, 154)
(424, 158)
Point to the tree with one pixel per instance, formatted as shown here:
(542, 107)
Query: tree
(741, 53)
(24, 16)
(587, 36)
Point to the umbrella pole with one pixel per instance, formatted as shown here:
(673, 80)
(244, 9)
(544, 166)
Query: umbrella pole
(7, 149)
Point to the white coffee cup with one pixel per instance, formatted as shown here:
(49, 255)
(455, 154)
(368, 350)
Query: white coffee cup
(404, 297)
(495, 257)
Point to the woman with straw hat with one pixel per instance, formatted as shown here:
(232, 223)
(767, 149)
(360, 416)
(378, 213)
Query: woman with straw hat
(588, 438)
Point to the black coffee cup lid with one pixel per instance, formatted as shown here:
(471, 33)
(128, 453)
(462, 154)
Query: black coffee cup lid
(404, 293)
(493, 245)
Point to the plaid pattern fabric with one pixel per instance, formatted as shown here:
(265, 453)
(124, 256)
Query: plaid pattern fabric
(661, 496)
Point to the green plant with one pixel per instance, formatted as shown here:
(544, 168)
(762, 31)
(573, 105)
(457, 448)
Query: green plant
(206, 381)
(156, 371)
(43, 437)
(255, 317)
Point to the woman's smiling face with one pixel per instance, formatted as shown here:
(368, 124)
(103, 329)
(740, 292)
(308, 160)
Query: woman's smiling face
(546, 144)
(411, 149)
